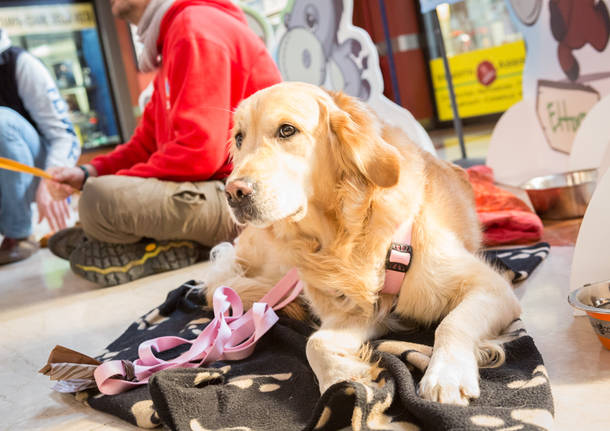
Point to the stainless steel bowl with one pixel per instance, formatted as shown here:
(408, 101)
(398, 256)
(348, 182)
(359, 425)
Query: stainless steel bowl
(594, 299)
(562, 196)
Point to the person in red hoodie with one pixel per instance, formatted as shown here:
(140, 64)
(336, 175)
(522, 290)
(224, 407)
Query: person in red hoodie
(157, 202)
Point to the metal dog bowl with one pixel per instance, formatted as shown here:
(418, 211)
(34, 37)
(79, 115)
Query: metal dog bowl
(594, 299)
(562, 196)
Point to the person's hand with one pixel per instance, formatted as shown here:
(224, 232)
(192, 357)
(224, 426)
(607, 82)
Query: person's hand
(56, 212)
(58, 189)
(67, 180)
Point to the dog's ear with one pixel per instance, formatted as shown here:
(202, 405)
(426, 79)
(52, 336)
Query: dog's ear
(359, 147)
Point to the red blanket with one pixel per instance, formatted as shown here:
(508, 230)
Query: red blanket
(505, 218)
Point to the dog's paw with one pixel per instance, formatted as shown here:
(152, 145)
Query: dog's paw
(335, 368)
(451, 379)
(333, 362)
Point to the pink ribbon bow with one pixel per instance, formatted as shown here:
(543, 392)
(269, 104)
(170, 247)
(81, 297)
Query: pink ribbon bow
(228, 336)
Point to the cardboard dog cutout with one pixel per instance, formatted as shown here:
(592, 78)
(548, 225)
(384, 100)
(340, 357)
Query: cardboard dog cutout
(319, 44)
(566, 73)
(311, 44)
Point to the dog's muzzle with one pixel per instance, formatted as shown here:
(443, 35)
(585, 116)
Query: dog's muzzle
(240, 195)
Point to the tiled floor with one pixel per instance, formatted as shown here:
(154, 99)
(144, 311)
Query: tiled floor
(43, 304)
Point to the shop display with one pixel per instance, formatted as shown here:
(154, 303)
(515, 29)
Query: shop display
(486, 57)
(64, 36)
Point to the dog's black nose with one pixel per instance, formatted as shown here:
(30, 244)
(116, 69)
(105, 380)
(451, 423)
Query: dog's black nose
(238, 190)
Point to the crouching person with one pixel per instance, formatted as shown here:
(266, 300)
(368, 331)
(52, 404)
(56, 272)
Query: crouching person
(34, 130)
(157, 202)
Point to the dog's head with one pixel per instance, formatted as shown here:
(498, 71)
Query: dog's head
(294, 144)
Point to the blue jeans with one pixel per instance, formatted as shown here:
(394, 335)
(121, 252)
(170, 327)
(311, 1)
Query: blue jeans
(19, 141)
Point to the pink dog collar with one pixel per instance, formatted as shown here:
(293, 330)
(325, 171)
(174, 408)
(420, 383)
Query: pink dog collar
(398, 259)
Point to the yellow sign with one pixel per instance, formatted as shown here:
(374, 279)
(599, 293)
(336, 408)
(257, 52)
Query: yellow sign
(485, 81)
(46, 18)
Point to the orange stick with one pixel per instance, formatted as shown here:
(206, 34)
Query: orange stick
(12, 165)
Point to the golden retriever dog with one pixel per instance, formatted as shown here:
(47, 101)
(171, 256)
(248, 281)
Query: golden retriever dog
(322, 184)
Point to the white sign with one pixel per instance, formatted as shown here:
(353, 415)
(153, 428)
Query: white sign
(561, 107)
(566, 71)
(46, 18)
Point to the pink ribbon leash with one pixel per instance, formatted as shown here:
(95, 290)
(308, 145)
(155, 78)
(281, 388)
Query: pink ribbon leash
(228, 336)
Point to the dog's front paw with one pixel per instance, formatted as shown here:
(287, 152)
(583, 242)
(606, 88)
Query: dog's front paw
(451, 379)
(333, 357)
(333, 367)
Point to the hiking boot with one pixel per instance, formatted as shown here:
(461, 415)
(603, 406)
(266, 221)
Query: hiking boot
(109, 264)
(16, 249)
(65, 241)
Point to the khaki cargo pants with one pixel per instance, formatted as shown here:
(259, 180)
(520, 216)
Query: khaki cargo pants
(122, 209)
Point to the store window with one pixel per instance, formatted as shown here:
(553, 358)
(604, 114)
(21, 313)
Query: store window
(471, 25)
(64, 36)
(486, 56)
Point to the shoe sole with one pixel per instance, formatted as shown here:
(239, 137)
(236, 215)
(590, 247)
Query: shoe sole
(112, 264)
(64, 242)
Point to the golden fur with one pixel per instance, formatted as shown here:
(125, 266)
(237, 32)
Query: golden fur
(327, 199)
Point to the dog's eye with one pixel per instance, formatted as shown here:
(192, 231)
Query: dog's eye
(239, 137)
(286, 131)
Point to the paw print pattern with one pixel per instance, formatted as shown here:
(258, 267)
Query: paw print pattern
(415, 355)
(151, 320)
(487, 421)
(520, 262)
(540, 418)
(376, 419)
(107, 355)
(539, 377)
(324, 417)
(244, 382)
(145, 414)
(418, 355)
(371, 411)
(210, 375)
(196, 326)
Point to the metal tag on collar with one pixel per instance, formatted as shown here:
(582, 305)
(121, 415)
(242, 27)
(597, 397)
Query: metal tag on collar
(399, 257)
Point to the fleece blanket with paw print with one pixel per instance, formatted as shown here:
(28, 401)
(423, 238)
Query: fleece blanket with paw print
(275, 389)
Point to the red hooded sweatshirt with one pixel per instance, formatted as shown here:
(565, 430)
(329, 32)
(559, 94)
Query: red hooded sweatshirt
(211, 60)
